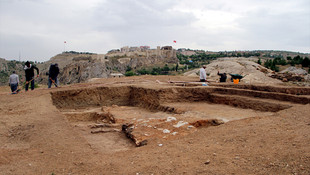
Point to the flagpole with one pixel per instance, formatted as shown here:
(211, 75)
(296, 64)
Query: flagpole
(65, 46)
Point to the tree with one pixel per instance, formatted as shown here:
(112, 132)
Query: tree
(166, 68)
(259, 61)
(128, 69)
(305, 62)
(297, 59)
(129, 73)
(143, 71)
(268, 64)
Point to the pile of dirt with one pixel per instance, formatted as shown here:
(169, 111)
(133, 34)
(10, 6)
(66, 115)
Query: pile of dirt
(252, 72)
(286, 77)
(294, 70)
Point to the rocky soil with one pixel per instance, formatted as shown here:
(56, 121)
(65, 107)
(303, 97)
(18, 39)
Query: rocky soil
(190, 129)
(252, 72)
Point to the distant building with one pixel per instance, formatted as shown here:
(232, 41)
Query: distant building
(144, 48)
(166, 48)
(125, 49)
(114, 51)
(132, 49)
(115, 75)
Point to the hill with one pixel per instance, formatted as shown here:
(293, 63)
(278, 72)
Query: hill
(76, 67)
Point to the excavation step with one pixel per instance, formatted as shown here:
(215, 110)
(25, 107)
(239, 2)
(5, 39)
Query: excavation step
(248, 103)
(264, 94)
(276, 89)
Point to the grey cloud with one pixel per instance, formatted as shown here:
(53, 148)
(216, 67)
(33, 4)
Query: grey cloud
(133, 14)
(283, 30)
(38, 28)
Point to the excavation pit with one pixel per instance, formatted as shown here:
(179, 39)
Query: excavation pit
(150, 114)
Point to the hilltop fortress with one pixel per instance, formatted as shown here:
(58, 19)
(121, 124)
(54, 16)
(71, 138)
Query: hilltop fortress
(143, 51)
(78, 67)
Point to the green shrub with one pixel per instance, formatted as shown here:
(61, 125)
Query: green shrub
(129, 73)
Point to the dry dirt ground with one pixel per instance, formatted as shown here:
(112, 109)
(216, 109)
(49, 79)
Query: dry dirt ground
(185, 128)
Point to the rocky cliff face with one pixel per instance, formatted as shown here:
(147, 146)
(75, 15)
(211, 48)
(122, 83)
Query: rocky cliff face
(80, 71)
(6, 69)
(75, 68)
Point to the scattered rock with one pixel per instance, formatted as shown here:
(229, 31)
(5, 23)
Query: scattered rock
(166, 131)
(213, 122)
(174, 133)
(180, 123)
(169, 119)
(207, 162)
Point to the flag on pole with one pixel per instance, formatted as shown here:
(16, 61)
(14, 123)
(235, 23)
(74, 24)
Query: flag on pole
(174, 41)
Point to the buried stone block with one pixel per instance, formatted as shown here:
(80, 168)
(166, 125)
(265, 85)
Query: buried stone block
(212, 122)
(128, 130)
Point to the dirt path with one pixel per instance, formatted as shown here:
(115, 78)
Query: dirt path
(36, 138)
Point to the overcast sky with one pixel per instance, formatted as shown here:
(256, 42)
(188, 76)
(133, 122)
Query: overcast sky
(37, 29)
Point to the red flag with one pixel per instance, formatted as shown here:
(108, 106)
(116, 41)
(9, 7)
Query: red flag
(174, 41)
(65, 42)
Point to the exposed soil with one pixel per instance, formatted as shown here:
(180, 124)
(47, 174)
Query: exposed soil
(152, 125)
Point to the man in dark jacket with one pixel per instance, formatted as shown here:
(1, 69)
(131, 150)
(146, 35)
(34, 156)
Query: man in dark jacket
(52, 75)
(29, 72)
(223, 76)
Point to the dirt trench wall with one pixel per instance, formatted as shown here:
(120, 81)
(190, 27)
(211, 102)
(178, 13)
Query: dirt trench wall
(146, 98)
(153, 99)
(286, 90)
(181, 94)
(261, 94)
(222, 96)
(247, 103)
(91, 97)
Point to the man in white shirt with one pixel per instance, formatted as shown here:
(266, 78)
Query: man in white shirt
(203, 75)
(13, 82)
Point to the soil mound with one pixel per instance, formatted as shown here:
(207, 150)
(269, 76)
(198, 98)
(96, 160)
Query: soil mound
(252, 72)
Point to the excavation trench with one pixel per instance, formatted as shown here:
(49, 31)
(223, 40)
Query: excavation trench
(149, 114)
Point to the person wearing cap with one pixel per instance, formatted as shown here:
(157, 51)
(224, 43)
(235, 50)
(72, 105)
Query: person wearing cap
(13, 82)
(203, 74)
(29, 73)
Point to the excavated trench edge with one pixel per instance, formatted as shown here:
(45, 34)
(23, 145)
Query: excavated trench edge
(153, 100)
(275, 89)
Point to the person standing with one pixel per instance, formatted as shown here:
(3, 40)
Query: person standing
(203, 75)
(13, 82)
(52, 75)
(29, 73)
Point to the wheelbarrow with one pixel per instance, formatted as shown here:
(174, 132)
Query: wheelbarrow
(236, 76)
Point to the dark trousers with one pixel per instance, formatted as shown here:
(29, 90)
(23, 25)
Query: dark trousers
(14, 88)
(31, 84)
(202, 80)
(50, 82)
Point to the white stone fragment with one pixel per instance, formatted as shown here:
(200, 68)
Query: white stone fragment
(166, 131)
(180, 123)
(169, 119)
